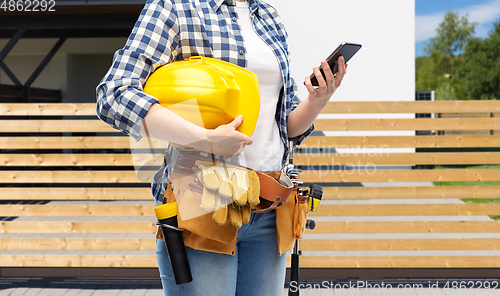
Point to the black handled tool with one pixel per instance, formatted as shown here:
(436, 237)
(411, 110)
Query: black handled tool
(315, 194)
(167, 220)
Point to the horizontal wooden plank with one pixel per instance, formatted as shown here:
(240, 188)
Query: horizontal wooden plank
(302, 159)
(148, 244)
(332, 107)
(44, 193)
(412, 107)
(65, 160)
(383, 124)
(407, 209)
(79, 210)
(110, 159)
(407, 226)
(351, 142)
(73, 177)
(46, 260)
(117, 142)
(411, 192)
(76, 244)
(54, 126)
(365, 244)
(407, 124)
(337, 210)
(88, 227)
(34, 109)
(362, 175)
(399, 261)
(386, 158)
(371, 174)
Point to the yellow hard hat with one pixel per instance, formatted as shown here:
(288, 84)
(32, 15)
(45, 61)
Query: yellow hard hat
(222, 91)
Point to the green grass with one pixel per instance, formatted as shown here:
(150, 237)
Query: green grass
(473, 183)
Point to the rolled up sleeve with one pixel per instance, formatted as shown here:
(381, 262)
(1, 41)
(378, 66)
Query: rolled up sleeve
(154, 40)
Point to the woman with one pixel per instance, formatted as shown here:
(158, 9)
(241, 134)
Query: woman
(249, 34)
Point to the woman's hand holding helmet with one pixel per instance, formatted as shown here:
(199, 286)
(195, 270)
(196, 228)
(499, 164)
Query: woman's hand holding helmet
(223, 140)
(226, 140)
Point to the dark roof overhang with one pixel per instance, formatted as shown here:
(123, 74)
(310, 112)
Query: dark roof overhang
(74, 19)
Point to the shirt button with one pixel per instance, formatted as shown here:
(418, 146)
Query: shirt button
(242, 52)
(234, 19)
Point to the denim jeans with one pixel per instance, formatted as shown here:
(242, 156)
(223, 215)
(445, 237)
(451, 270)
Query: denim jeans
(255, 269)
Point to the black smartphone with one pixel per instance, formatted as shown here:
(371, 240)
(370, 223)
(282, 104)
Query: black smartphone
(347, 50)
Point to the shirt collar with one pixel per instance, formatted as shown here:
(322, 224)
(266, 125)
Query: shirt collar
(254, 5)
(215, 4)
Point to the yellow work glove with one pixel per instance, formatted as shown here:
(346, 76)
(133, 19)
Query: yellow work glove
(236, 187)
(220, 214)
(211, 200)
(245, 185)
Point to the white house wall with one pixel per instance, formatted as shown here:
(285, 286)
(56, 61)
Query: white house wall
(384, 68)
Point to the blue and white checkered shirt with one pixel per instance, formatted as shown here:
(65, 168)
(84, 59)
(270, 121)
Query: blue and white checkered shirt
(173, 30)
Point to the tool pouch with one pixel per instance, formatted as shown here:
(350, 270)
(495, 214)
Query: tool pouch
(299, 216)
(187, 191)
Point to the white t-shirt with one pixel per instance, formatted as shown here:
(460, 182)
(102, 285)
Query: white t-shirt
(267, 150)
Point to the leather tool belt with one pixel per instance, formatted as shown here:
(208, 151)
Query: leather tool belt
(275, 187)
(273, 191)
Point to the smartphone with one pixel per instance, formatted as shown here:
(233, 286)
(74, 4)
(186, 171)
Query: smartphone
(347, 50)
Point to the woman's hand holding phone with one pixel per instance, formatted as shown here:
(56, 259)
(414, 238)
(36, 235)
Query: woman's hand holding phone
(321, 95)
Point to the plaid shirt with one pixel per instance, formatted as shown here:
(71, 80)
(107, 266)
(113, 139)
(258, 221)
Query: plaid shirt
(173, 30)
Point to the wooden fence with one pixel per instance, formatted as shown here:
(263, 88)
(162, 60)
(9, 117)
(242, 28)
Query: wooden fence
(60, 166)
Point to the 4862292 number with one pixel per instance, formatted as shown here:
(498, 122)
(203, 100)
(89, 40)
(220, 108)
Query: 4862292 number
(28, 5)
